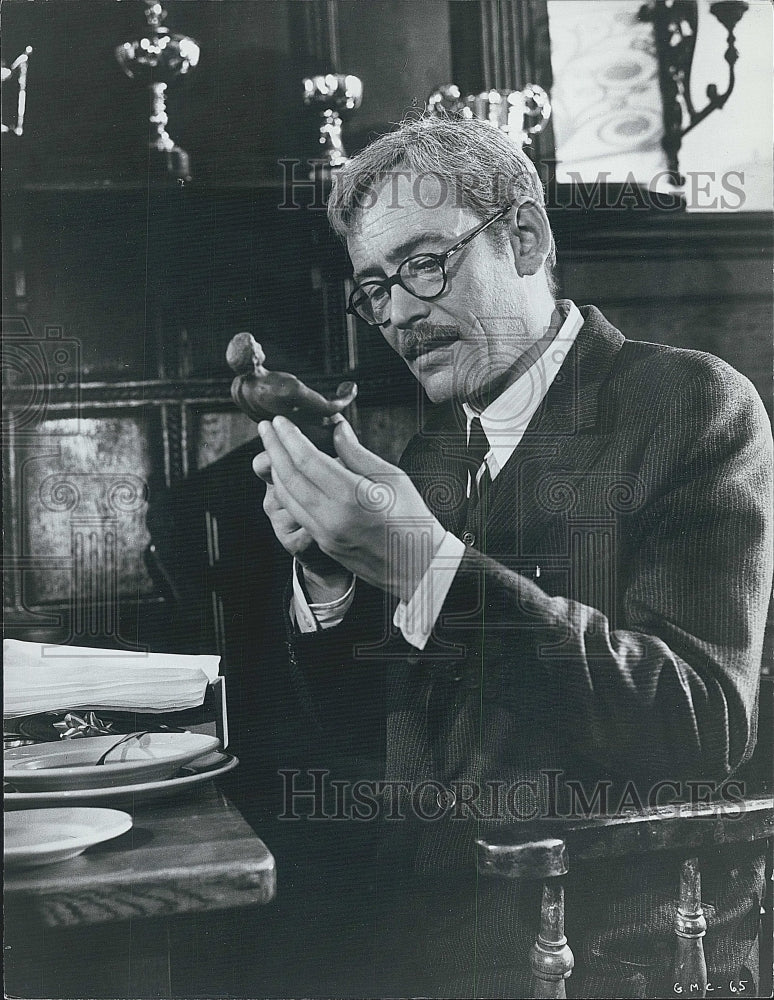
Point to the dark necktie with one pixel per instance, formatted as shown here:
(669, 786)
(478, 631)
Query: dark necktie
(478, 446)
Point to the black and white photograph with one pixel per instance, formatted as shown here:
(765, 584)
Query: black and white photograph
(388, 499)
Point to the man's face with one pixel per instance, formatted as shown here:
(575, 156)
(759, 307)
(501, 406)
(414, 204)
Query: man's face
(465, 342)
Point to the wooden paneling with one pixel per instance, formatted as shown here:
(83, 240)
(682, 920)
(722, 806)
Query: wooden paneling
(220, 433)
(699, 283)
(148, 284)
(401, 50)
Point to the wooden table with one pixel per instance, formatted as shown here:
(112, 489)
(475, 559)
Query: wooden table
(134, 916)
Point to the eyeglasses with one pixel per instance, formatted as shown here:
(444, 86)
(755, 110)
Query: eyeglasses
(423, 275)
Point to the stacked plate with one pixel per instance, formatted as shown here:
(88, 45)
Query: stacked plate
(118, 769)
(51, 788)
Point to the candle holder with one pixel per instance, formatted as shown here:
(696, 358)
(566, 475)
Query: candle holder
(334, 96)
(520, 114)
(157, 60)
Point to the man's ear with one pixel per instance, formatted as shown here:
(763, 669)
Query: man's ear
(530, 235)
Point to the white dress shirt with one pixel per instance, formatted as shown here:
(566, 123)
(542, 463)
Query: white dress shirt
(504, 422)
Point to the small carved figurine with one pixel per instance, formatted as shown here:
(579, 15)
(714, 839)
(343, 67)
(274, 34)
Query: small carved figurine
(263, 394)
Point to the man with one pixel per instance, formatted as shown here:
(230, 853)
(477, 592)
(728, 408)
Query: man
(567, 577)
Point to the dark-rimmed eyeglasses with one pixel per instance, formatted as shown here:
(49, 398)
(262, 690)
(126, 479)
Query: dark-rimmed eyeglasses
(422, 275)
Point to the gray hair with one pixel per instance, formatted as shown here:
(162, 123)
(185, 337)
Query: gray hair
(486, 168)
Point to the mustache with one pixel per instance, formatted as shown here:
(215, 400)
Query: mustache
(423, 336)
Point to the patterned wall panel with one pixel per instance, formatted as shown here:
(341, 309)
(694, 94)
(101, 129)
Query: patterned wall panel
(606, 98)
(220, 433)
(83, 502)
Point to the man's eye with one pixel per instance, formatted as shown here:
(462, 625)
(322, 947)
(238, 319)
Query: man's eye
(419, 266)
(377, 293)
(370, 292)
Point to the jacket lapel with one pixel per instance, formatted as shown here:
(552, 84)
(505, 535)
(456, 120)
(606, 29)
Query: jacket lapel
(435, 460)
(565, 438)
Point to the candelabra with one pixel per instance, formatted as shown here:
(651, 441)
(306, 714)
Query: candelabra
(520, 114)
(334, 96)
(157, 60)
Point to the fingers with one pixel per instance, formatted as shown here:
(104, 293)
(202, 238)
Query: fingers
(318, 467)
(270, 502)
(290, 490)
(305, 472)
(357, 458)
(291, 535)
(275, 506)
(262, 467)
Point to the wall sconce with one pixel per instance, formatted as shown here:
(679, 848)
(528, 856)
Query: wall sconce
(674, 25)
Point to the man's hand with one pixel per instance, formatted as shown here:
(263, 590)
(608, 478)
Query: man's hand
(362, 512)
(325, 579)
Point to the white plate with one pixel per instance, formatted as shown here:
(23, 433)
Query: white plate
(188, 778)
(53, 767)
(47, 836)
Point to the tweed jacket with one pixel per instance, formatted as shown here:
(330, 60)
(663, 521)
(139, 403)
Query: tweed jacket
(603, 632)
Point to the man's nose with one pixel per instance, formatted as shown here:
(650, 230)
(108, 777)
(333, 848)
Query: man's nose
(406, 309)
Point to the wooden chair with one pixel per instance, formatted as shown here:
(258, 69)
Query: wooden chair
(546, 853)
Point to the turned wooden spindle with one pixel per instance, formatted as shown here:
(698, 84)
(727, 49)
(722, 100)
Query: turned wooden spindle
(690, 975)
(551, 957)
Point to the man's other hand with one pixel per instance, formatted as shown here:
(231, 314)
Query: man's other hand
(325, 579)
(362, 512)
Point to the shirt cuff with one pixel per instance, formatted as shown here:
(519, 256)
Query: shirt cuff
(416, 618)
(312, 617)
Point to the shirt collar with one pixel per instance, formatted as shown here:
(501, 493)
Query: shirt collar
(506, 418)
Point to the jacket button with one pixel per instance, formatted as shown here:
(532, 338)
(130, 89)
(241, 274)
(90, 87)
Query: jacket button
(446, 798)
(468, 537)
